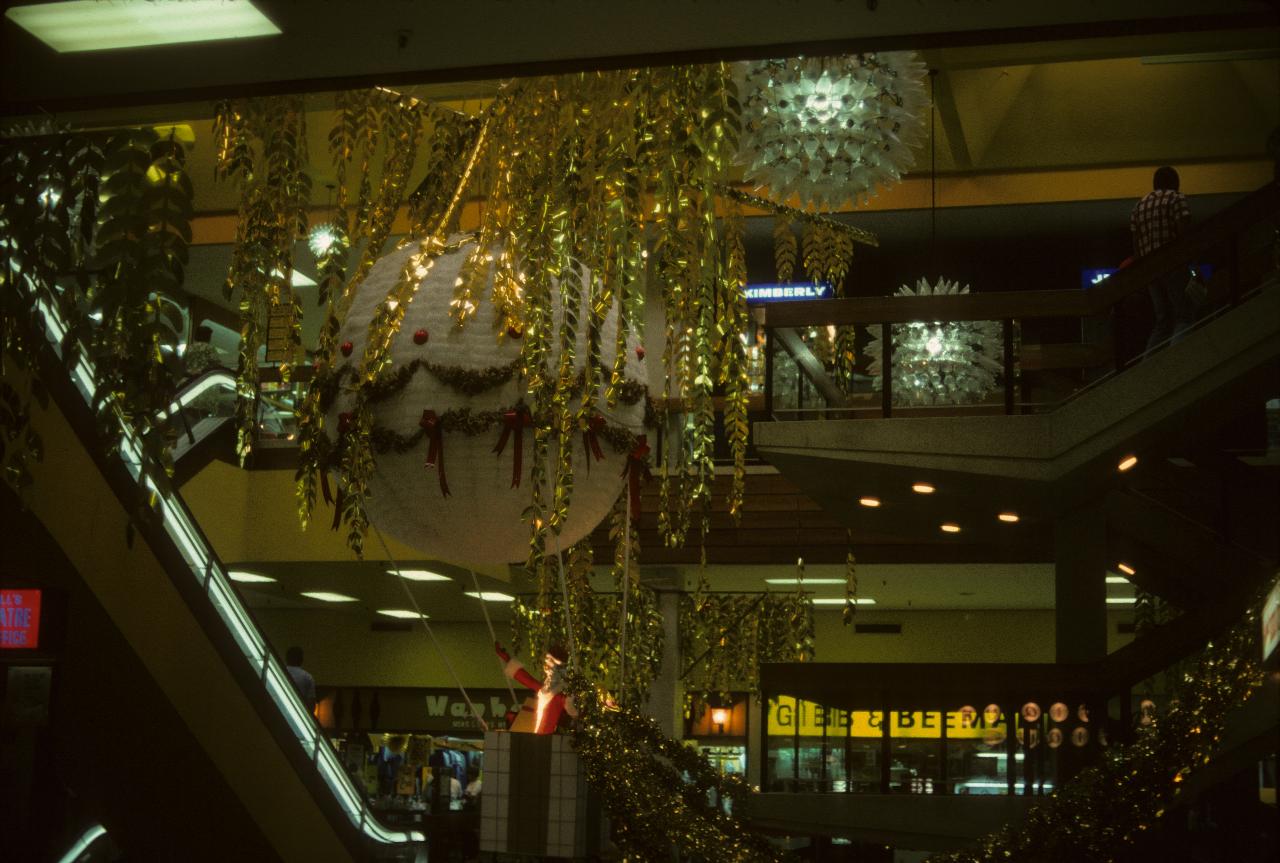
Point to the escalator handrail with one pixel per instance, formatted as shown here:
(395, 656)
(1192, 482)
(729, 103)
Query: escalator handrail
(211, 581)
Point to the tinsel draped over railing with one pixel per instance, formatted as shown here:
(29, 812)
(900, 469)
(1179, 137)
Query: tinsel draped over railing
(94, 225)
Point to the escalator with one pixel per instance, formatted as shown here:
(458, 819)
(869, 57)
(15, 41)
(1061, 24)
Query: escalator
(170, 715)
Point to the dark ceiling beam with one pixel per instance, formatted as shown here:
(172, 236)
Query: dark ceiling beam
(374, 49)
(944, 100)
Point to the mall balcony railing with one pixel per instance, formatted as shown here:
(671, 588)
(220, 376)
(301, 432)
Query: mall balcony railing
(819, 355)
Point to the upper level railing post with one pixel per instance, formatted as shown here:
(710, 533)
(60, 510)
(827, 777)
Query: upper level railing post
(1008, 364)
(768, 372)
(886, 370)
(1233, 269)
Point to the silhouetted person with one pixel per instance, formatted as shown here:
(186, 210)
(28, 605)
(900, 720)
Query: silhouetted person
(303, 682)
(1159, 219)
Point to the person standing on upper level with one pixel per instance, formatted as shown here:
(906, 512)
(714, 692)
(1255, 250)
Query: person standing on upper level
(1157, 220)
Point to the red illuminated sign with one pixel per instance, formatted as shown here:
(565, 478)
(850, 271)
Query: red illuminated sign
(19, 619)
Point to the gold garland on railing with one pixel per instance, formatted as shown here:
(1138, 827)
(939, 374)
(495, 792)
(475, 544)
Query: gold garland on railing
(95, 226)
(1111, 807)
(657, 791)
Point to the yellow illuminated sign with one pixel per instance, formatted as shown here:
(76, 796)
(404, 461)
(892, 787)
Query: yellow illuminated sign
(813, 719)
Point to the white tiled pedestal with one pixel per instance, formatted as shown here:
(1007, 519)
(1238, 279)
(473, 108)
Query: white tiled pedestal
(534, 799)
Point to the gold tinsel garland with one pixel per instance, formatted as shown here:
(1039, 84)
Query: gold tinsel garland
(657, 791)
(724, 637)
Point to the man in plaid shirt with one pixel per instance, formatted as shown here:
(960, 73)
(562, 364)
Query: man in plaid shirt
(1158, 219)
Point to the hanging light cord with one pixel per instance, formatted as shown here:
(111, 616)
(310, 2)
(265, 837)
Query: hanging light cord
(933, 171)
(626, 589)
(484, 726)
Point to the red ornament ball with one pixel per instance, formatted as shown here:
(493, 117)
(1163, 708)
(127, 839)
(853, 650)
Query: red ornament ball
(347, 348)
(420, 337)
(639, 352)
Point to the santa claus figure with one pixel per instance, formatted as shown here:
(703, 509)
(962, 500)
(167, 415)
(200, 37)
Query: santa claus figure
(541, 713)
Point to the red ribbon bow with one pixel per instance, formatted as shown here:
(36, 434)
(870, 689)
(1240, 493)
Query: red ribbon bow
(591, 439)
(636, 468)
(435, 446)
(514, 420)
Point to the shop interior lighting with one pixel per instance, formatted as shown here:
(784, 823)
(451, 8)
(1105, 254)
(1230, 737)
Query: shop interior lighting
(719, 716)
(490, 596)
(1126, 569)
(249, 577)
(949, 527)
(923, 488)
(1122, 600)
(1117, 579)
(326, 596)
(1126, 463)
(872, 502)
(839, 600)
(1008, 517)
(401, 613)
(795, 580)
(91, 25)
(419, 575)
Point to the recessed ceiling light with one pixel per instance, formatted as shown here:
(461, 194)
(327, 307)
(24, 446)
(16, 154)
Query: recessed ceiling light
(794, 580)
(1117, 579)
(490, 596)
(401, 613)
(839, 600)
(869, 501)
(1126, 463)
(419, 575)
(249, 577)
(923, 488)
(949, 527)
(326, 596)
(1121, 600)
(1126, 569)
(91, 25)
(1008, 517)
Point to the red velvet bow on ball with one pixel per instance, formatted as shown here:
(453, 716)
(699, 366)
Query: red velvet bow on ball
(430, 423)
(591, 439)
(514, 420)
(637, 468)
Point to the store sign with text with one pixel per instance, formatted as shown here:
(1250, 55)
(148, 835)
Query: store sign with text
(812, 720)
(19, 619)
(783, 292)
(447, 710)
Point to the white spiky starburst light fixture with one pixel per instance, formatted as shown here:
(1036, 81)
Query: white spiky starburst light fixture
(829, 130)
(938, 362)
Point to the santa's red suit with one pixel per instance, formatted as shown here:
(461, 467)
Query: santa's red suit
(541, 713)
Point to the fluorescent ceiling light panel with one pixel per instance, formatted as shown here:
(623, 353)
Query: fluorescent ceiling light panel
(419, 575)
(1117, 579)
(490, 596)
(839, 600)
(794, 580)
(326, 596)
(401, 613)
(249, 577)
(93, 25)
(1121, 600)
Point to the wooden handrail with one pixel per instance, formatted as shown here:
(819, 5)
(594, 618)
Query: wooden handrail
(1000, 305)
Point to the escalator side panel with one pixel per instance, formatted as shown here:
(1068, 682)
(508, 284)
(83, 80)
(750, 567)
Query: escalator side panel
(80, 509)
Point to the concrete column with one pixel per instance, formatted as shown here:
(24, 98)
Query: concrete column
(757, 717)
(666, 695)
(1080, 588)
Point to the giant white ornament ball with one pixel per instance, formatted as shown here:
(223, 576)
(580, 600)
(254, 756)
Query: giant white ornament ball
(481, 520)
